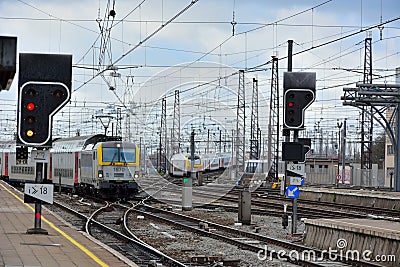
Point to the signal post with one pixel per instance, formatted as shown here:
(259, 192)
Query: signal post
(187, 187)
(299, 93)
(44, 87)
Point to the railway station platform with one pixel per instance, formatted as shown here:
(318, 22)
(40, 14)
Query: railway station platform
(63, 246)
(366, 198)
(376, 240)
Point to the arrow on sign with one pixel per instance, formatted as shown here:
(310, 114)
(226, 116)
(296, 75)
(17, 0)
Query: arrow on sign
(34, 190)
(291, 193)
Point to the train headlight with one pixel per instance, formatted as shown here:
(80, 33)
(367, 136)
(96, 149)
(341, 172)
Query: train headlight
(136, 175)
(100, 174)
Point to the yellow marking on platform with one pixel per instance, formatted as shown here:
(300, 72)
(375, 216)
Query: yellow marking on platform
(61, 232)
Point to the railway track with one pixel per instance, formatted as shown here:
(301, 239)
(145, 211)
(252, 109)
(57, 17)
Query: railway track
(264, 206)
(107, 225)
(260, 244)
(389, 214)
(270, 202)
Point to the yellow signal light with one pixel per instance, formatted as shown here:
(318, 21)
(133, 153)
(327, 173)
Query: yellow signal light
(29, 133)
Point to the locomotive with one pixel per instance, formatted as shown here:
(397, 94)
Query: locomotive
(96, 164)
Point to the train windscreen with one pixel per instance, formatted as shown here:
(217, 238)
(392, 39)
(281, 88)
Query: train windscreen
(116, 154)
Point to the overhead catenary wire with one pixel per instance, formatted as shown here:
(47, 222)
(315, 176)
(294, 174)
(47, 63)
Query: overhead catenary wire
(257, 68)
(140, 43)
(215, 54)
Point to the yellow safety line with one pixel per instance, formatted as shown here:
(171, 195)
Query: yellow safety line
(66, 236)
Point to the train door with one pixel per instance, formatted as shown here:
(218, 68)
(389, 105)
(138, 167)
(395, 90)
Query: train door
(76, 168)
(94, 165)
(45, 171)
(1, 165)
(6, 164)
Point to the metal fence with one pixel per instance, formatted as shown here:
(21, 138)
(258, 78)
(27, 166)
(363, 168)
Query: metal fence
(327, 175)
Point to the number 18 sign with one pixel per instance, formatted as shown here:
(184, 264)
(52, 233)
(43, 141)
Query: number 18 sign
(43, 192)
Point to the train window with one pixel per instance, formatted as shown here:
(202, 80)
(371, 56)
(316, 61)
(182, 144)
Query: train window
(251, 167)
(128, 155)
(110, 154)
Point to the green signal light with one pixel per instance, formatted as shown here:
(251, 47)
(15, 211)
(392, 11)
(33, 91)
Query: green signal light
(185, 180)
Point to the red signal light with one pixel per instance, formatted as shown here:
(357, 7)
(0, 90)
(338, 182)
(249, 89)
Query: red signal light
(30, 106)
(291, 104)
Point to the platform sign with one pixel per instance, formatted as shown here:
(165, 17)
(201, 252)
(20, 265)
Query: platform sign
(296, 180)
(299, 169)
(41, 155)
(292, 191)
(35, 192)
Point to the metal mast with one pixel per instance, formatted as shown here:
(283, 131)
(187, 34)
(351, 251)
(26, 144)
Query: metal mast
(175, 138)
(163, 135)
(240, 125)
(366, 119)
(254, 144)
(119, 123)
(273, 125)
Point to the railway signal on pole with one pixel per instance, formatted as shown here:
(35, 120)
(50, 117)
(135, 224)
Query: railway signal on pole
(299, 94)
(44, 87)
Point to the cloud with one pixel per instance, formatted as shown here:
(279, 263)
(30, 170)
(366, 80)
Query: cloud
(203, 28)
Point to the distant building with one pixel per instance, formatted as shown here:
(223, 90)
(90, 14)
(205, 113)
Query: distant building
(321, 170)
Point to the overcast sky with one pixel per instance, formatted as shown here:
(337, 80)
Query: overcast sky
(203, 32)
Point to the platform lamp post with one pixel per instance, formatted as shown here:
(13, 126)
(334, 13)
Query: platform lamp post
(339, 126)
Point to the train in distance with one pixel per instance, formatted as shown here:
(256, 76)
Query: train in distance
(180, 166)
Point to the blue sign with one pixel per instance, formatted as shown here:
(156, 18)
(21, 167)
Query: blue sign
(302, 181)
(292, 191)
